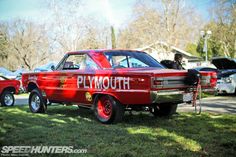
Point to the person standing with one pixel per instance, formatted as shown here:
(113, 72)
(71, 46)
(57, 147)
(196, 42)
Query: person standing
(178, 62)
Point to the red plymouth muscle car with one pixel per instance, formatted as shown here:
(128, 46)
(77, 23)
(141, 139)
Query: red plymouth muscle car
(7, 89)
(110, 82)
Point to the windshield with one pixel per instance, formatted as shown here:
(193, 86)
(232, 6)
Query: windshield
(131, 59)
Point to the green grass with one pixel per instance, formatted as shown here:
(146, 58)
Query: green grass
(185, 134)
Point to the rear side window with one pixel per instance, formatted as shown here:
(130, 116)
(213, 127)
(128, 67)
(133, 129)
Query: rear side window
(131, 59)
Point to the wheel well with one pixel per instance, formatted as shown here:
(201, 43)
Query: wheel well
(11, 89)
(31, 86)
(98, 95)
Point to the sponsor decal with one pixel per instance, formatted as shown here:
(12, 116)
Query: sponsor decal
(88, 96)
(103, 82)
(62, 81)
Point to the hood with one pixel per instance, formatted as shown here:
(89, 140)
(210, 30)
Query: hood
(224, 63)
(226, 73)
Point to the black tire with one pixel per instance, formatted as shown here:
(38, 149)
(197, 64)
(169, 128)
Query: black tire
(7, 98)
(37, 103)
(108, 110)
(164, 110)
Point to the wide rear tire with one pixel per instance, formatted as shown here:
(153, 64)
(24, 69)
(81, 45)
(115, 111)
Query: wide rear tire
(164, 110)
(108, 110)
(37, 103)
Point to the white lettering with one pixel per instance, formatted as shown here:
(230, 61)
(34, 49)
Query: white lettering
(100, 82)
(79, 81)
(126, 82)
(105, 82)
(114, 83)
(91, 81)
(85, 86)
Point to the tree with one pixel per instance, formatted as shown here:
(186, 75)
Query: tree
(169, 21)
(3, 42)
(28, 44)
(223, 24)
(192, 48)
(72, 31)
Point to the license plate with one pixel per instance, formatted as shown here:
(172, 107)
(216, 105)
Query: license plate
(187, 97)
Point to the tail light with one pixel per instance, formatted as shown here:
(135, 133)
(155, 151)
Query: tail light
(156, 83)
(213, 80)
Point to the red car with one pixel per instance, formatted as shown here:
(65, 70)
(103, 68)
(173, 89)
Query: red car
(110, 82)
(7, 89)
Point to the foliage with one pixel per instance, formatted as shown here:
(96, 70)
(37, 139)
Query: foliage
(192, 48)
(223, 24)
(171, 22)
(3, 43)
(139, 134)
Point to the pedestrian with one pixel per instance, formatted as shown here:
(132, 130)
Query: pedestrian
(178, 62)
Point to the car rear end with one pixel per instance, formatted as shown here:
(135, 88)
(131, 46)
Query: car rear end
(171, 87)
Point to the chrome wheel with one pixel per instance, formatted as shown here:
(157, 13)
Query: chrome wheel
(35, 102)
(8, 99)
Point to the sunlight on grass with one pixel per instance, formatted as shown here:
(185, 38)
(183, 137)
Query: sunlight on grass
(186, 143)
(58, 121)
(185, 134)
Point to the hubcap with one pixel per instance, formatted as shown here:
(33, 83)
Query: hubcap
(8, 99)
(104, 108)
(35, 102)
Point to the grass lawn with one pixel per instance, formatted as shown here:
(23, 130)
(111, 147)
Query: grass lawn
(140, 134)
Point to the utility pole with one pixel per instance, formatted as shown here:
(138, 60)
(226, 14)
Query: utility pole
(206, 35)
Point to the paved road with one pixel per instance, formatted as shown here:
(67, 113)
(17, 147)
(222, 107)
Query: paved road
(218, 104)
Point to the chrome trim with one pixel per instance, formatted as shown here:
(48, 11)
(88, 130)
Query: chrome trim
(167, 96)
(177, 82)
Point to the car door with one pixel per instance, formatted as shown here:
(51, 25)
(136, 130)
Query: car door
(74, 65)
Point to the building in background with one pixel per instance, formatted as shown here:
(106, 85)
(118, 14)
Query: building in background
(162, 51)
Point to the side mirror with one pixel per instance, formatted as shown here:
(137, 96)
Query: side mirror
(52, 67)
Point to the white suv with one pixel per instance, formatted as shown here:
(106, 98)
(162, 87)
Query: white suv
(226, 82)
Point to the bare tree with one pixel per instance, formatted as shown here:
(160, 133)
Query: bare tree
(28, 43)
(169, 21)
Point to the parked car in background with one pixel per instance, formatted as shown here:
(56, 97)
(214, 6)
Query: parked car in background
(47, 67)
(206, 69)
(226, 76)
(7, 89)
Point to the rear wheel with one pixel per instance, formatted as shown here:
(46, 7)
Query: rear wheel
(7, 98)
(108, 110)
(37, 103)
(164, 110)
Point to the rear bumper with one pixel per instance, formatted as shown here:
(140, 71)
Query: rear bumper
(167, 96)
(174, 96)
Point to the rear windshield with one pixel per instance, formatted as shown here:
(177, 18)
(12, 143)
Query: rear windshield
(131, 59)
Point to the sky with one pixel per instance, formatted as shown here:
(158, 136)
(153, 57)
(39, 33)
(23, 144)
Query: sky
(120, 10)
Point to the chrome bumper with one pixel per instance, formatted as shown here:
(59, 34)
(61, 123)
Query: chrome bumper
(167, 96)
(174, 96)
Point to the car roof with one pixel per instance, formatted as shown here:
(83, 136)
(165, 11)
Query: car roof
(100, 50)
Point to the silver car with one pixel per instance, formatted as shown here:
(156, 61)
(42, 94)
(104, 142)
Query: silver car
(226, 82)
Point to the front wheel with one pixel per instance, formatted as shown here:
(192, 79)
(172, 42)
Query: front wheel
(108, 110)
(164, 110)
(37, 104)
(7, 98)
